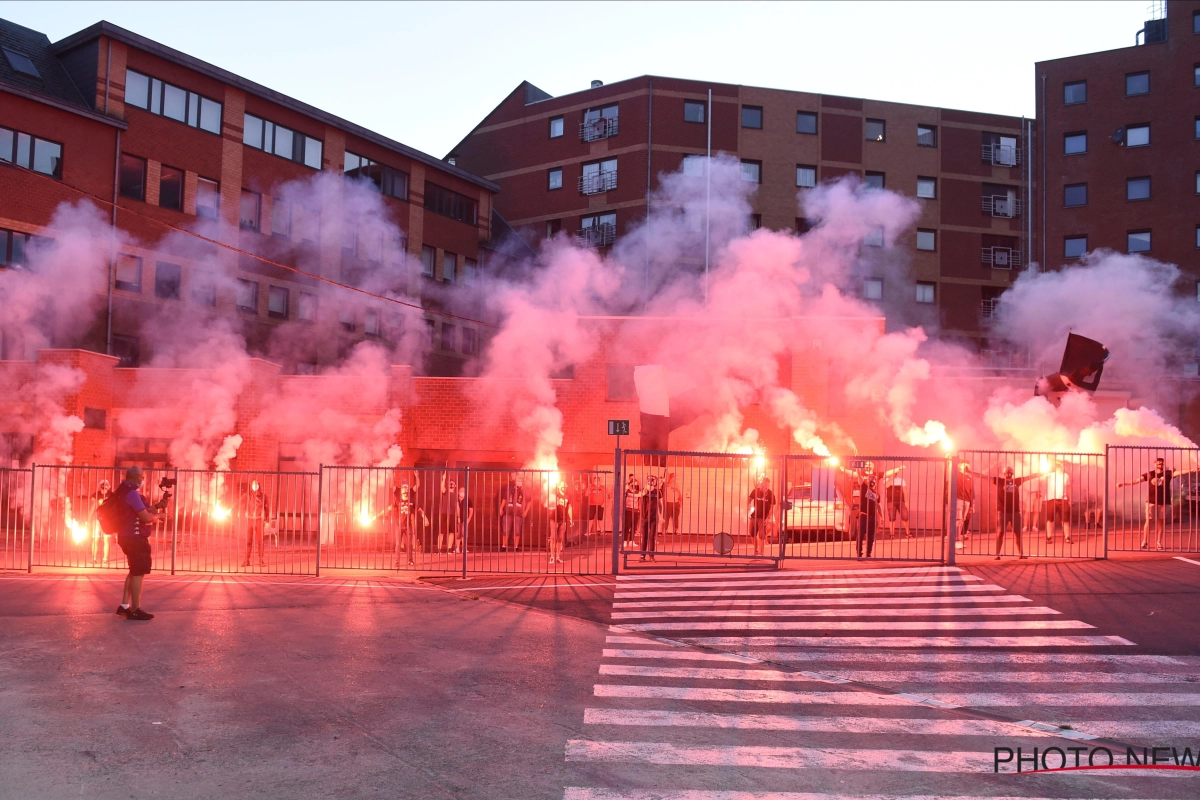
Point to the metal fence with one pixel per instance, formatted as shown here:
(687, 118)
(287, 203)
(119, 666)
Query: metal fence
(466, 520)
(1031, 504)
(1151, 509)
(16, 487)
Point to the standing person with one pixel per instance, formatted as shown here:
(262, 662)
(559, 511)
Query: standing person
(1008, 506)
(632, 507)
(762, 501)
(652, 513)
(254, 509)
(134, 540)
(98, 497)
(672, 504)
(869, 486)
(1056, 505)
(445, 512)
(965, 502)
(513, 511)
(464, 515)
(596, 498)
(1158, 498)
(897, 503)
(562, 517)
(402, 514)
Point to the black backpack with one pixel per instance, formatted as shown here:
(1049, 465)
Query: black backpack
(114, 513)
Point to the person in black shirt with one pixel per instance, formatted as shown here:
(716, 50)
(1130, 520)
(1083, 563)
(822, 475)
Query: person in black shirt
(98, 497)
(1008, 506)
(563, 516)
(1158, 498)
(254, 510)
(513, 511)
(869, 486)
(404, 512)
(652, 513)
(762, 501)
(464, 515)
(632, 511)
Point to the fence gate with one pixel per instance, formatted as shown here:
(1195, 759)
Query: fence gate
(829, 512)
(1048, 505)
(462, 519)
(1154, 511)
(16, 487)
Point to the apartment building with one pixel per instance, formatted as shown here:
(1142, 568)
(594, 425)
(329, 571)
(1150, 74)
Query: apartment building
(587, 164)
(190, 164)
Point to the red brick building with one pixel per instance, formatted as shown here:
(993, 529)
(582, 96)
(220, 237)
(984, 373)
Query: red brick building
(1119, 150)
(587, 163)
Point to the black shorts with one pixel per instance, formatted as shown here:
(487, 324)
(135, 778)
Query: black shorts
(1056, 510)
(596, 512)
(137, 551)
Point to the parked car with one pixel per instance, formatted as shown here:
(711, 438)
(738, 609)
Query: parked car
(815, 520)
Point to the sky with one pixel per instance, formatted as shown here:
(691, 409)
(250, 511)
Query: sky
(426, 73)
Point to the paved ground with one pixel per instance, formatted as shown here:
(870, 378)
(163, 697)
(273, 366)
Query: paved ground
(342, 688)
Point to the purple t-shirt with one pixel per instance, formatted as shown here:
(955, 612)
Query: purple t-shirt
(135, 502)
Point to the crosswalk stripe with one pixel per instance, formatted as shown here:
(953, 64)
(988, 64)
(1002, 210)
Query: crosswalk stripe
(840, 612)
(948, 699)
(589, 793)
(858, 581)
(671, 577)
(896, 676)
(851, 625)
(906, 591)
(908, 641)
(930, 600)
(942, 658)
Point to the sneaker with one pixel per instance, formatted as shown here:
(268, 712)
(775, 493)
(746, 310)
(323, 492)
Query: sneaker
(1049, 538)
(138, 614)
(561, 561)
(412, 563)
(1160, 547)
(1067, 540)
(1022, 556)
(997, 558)
(1144, 545)
(122, 611)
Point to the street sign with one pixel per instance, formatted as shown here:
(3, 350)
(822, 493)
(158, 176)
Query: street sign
(858, 464)
(618, 427)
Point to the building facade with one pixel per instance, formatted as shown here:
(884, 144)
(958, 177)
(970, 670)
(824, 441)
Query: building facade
(217, 194)
(587, 164)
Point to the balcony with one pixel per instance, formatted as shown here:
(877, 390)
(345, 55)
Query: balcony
(597, 182)
(599, 128)
(596, 235)
(1002, 258)
(999, 205)
(1002, 155)
(988, 308)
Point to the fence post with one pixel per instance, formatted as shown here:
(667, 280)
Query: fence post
(781, 526)
(32, 516)
(617, 508)
(1104, 512)
(462, 542)
(951, 518)
(320, 516)
(175, 526)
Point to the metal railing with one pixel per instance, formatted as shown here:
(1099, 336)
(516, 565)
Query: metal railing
(16, 500)
(596, 235)
(999, 205)
(1002, 258)
(1002, 155)
(597, 182)
(1152, 511)
(598, 128)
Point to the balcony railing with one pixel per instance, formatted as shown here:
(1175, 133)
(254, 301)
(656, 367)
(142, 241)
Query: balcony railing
(1002, 258)
(1002, 155)
(988, 308)
(599, 128)
(999, 205)
(596, 235)
(597, 182)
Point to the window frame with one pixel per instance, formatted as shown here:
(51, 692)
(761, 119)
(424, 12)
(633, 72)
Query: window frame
(882, 127)
(1138, 126)
(812, 167)
(124, 159)
(216, 210)
(196, 106)
(932, 286)
(1075, 238)
(301, 146)
(550, 187)
(1073, 135)
(703, 105)
(761, 117)
(128, 286)
(561, 127)
(928, 180)
(162, 175)
(873, 282)
(449, 267)
(1149, 240)
(306, 306)
(933, 131)
(444, 202)
(428, 265)
(1138, 74)
(469, 341)
(816, 122)
(159, 285)
(252, 287)
(257, 221)
(1149, 189)
(757, 165)
(1067, 85)
(273, 292)
(1069, 186)
(931, 232)
(870, 174)
(448, 335)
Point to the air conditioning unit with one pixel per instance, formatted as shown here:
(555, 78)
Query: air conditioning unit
(1001, 258)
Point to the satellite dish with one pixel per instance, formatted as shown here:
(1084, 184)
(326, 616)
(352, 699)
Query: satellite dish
(723, 543)
(1119, 136)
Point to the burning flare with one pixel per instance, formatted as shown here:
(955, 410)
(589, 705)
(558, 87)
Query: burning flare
(220, 512)
(79, 533)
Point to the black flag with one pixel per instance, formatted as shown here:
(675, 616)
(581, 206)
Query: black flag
(1082, 365)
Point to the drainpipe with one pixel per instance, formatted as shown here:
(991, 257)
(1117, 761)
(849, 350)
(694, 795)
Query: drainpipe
(649, 173)
(112, 246)
(707, 192)
(1044, 265)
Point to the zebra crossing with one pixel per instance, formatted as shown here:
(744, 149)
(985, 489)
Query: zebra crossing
(865, 683)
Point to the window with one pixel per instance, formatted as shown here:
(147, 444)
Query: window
(597, 230)
(926, 240)
(470, 341)
(30, 152)
(754, 223)
(874, 237)
(752, 117)
(346, 319)
(926, 292)
(13, 246)
(369, 243)
(22, 63)
(806, 122)
(599, 176)
(926, 136)
(470, 270)
(693, 111)
(1198, 236)
(873, 289)
(876, 130)
(392, 182)
(128, 273)
(556, 127)
(247, 295)
(151, 94)
(1074, 143)
(1137, 83)
(1074, 93)
(1196, 134)
(132, 177)
(277, 302)
(127, 349)
(873, 180)
(752, 171)
(1137, 189)
(555, 181)
(204, 289)
(372, 324)
(167, 280)
(428, 261)
(806, 176)
(620, 383)
(553, 226)
(1196, 75)
(803, 225)
(208, 198)
(281, 218)
(1198, 181)
(1074, 246)
(251, 208)
(693, 165)
(1075, 194)
(95, 418)
(449, 267)
(454, 205)
(306, 307)
(448, 337)
(1137, 242)
(1137, 136)
(170, 188)
(430, 332)
(284, 142)
(1196, 22)
(927, 188)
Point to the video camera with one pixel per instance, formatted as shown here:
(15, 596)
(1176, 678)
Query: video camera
(165, 486)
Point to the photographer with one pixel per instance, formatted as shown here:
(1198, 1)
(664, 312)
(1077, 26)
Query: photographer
(134, 539)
